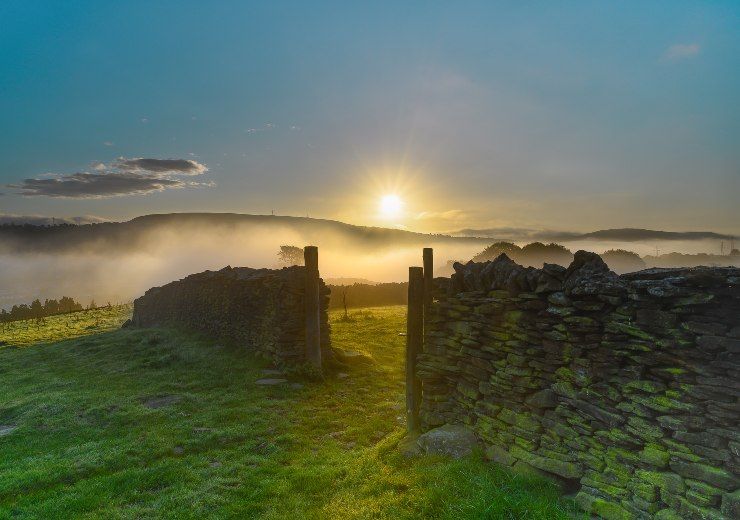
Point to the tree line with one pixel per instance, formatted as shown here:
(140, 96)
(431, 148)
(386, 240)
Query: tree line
(37, 310)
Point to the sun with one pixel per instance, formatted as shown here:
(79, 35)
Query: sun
(390, 205)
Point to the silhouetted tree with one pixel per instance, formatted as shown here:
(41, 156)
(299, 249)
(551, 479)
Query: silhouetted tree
(534, 254)
(36, 310)
(494, 250)
(290, 255)
(623, 261)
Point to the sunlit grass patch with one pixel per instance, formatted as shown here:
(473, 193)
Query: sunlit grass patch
(63, 326)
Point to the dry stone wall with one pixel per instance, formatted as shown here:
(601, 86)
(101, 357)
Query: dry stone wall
(260, 309)
(626, 386)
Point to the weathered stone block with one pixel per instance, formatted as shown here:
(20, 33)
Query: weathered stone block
(654, 455)
(712, 475)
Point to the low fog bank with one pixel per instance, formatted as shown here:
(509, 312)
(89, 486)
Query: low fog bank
(120, 276)
(118, 267)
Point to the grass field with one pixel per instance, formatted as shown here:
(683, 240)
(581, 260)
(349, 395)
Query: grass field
(161, 423)
(63, 326)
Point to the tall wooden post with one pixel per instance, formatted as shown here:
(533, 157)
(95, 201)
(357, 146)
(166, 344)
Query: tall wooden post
(428, 278)
(414, 341)
(313, 321)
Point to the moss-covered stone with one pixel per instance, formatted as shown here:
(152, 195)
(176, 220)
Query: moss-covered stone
(644, 429)
(689, 510)
(523, 420)
(557, 467)
(653, 455)
(663, 480)
(500, 456)
(610, 510)
(647, 492)
(701, 500)
(585, 501)
(731, 504)
(712, 475)
(631, 330)
(565, 389)
(651, 387)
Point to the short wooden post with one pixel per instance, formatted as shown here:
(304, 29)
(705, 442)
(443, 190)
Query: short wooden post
(414, 341)
(313, 321)
(428, 278)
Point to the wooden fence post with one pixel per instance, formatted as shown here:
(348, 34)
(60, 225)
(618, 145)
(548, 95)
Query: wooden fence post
(313, 322)
(428, 278)
(414, 342)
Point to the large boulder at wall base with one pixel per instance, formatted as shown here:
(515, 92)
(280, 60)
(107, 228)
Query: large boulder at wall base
(451, 440)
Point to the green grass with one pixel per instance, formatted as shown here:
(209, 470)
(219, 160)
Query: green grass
(86, 446)
(63, 326)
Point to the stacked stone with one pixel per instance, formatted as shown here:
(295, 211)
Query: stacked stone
(259, 309)
(626, 386)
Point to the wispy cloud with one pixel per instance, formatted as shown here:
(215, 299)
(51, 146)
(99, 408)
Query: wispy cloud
(136, 176)
(452, 215)
(182, 166)
(681, 51)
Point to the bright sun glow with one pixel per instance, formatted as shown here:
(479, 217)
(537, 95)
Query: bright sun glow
(390, 206)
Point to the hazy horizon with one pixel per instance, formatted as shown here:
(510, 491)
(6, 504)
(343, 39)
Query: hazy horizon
(122, 266)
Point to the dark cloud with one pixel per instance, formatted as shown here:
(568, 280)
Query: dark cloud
(96, 185)
(181, 166)
(136, 176)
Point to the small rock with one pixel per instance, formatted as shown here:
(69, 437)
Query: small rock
(408, 446)
(161, 401)
(215, 464)
(500, 456)
(452, 440)
(178, 450)
(378, 435)
(271, 372)
(270, 381)
(7, 429)
(543, 399)
(342, 375)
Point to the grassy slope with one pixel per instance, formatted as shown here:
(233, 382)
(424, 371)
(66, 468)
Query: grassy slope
(87, 446)
(63, 326)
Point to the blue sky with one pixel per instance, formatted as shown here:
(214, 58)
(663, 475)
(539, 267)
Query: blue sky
(558, 115)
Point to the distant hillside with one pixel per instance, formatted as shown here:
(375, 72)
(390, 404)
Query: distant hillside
(635, 235)
(614, 235)
(135, 234)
